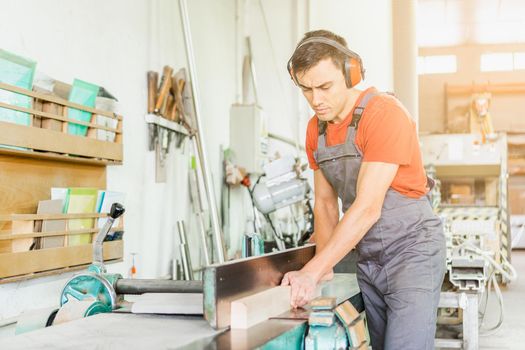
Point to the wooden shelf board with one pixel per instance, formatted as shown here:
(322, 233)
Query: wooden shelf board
(41, 260)
(57, 117)
(52, 272)
(58, 100)
(27, 217)
(55, 156)
(48, 140)
(9, 236)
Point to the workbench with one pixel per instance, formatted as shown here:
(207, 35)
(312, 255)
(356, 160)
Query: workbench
(133, 331)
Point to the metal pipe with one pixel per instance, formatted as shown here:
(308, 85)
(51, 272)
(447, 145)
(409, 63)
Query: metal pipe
(212, 203)
(184, 252)
(252, 70)
(141, 286)
(199, 211)
(98, 256)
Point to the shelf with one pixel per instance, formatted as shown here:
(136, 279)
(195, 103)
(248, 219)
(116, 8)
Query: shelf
(168, 124)
(42, 155)
(36, 141)
(33, 138)
(58, 100)
(42, 260)
(57, 157)
(52, 272)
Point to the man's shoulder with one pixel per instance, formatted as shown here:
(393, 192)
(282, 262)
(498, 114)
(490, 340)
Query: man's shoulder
(312, 127)
(387, 106)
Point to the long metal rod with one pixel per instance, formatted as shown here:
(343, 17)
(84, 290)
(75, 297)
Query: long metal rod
(184, 252)
(215, 223)
(198, 208)
(141, 286)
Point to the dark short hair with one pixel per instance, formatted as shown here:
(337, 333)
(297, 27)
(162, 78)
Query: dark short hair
(308, 55)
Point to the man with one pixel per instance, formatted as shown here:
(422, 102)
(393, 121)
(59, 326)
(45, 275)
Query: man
(363, 148)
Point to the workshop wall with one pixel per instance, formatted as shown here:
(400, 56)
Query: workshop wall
(506, 108)
(367, 27)
(114, 43)
(274, 28)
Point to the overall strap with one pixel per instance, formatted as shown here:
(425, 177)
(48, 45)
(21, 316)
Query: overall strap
(359, 110)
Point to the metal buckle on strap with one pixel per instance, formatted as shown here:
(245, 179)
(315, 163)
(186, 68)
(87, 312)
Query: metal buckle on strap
(321, 125)
(356, 116)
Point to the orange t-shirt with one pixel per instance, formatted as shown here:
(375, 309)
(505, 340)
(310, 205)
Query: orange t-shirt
(386, 133)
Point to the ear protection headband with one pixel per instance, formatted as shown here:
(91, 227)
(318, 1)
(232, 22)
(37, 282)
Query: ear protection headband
(353, 65)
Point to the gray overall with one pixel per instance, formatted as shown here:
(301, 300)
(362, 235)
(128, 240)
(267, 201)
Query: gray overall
(401, 259)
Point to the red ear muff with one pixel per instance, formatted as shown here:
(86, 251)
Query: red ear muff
(354, 72)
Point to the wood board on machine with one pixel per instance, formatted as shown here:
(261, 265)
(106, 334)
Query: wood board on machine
(169, 303)
(253, 309)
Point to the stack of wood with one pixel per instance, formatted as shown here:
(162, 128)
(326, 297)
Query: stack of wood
(165, 99)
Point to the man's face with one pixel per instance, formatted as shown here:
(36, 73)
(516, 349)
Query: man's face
(324, 87)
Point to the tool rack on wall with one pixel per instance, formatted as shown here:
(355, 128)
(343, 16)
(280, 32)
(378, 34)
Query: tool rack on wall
(33, 159)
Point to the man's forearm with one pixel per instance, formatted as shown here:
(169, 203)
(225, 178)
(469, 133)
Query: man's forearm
(348, 232)
(326, 216)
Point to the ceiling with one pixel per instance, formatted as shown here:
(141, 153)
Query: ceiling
(459, 22)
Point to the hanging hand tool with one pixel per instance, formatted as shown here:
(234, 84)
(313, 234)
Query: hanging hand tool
(153, 78)
(164, 88)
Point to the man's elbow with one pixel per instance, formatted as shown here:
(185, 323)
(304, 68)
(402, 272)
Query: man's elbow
(371, 213)
(324, 204)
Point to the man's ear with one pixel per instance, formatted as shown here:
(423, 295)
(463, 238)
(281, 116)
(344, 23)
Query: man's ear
(293, 77)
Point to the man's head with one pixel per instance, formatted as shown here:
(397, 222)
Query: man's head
(325, 69)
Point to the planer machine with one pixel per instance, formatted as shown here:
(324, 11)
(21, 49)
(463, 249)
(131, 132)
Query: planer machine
(93, 312)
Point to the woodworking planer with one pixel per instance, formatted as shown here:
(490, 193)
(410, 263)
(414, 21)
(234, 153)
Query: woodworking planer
(335, 320)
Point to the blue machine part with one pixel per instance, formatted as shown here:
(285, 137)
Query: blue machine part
(322, 337)
(92, 285)
(291, 340)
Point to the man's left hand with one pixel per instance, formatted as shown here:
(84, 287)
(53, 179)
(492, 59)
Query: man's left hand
(303, 285)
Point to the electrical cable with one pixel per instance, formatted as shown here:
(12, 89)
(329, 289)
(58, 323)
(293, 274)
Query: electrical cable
(505, 268)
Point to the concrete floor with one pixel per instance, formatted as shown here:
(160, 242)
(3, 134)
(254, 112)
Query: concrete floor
(511, 334)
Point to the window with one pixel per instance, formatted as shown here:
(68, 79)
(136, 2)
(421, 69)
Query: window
(496, 62)
(519, 60)
(438, 64)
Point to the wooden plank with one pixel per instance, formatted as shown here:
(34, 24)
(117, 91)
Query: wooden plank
(59, 157)
(49, 140)
(24, 217)
(58, 100)
(24, 182)
(24, 243)
(15, 236)
(248, 311)
(57, 117)
(14, 264)
(502, 88)
(51, 272)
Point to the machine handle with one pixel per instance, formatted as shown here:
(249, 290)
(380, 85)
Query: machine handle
(116, 210)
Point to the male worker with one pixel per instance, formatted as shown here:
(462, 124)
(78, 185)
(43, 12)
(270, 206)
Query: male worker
(363, 148)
